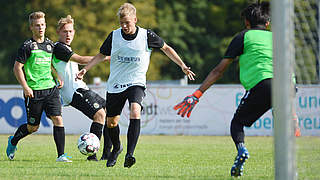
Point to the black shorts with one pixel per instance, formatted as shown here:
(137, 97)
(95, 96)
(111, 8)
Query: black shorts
(47, 100)
(254, 103)
(116, 101)
(87, 101)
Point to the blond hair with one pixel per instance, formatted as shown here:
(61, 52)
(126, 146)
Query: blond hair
(126, 9)
(35, 15)
(64, 21)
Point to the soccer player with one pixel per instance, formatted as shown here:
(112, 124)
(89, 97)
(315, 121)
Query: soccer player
(76, 93)
(130, 47)
(254, 48)
(33, 70)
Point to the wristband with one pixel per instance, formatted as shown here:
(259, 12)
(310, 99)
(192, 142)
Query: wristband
(197, 94)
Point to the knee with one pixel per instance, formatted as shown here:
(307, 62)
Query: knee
(57, 120)
(100, 116)
(32, 129)
(111, 123)
(135, 112)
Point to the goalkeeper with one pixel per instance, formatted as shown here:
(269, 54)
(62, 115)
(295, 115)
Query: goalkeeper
(254, 48)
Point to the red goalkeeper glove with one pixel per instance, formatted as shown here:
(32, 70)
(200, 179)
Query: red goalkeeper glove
(188, 103)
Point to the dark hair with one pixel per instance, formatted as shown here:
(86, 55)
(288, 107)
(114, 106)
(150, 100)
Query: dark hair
(257, 13)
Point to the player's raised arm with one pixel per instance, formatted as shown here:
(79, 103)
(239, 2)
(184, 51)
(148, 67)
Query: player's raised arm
(189, 102)
(96, 59)
(172, 54)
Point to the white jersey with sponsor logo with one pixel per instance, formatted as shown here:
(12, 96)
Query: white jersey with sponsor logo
(67, 71)
(129, 61)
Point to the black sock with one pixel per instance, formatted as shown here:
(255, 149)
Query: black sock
(114, 136)
(107, 144)
(96, 128)
(237, 132)
(133, 135)
(21, 132)
(59, 139)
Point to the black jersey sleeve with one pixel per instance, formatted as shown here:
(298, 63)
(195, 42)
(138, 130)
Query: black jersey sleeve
(154, 41)
(105, 49)
(62, 52)
(23, 53)
(235, 48)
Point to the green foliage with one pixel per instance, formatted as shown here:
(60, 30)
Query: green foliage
(158, 157)
(199, 30)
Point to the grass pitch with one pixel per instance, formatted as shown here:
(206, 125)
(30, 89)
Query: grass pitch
(158, 157)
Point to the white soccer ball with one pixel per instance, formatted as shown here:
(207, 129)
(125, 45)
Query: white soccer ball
(88, 144)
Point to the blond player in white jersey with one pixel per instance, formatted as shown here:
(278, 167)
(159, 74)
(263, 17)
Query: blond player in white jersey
(130, 47)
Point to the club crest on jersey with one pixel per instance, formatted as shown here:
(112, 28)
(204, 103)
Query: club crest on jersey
(34, 46)
(49, 47)
(96, 105)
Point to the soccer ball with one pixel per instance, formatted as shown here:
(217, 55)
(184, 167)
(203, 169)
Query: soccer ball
(88, 144)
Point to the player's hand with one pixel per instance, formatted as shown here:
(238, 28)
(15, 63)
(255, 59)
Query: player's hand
(188, 72)
(60, 83)
(80, 74)
(28, 92)
(107, 58)
(188, 103)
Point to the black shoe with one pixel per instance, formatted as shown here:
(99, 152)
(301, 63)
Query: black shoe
(113, 157)
(105, 156)
(92, 158)
(129, 161)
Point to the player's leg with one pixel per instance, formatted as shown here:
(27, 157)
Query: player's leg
(114, 106)
(252, 106)
(53, 111)
(34, 108)
(92, 105)
(107, 144)
(135, 97)
(114, 133)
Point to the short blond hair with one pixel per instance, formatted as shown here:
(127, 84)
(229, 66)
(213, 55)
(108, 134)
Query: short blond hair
(126, 9)
(64, 21)
(36, 15)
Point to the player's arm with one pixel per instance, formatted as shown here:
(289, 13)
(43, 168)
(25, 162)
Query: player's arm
(215, 74)
(235, 49)
(84, 59)
(56, 77)
(172, 54)
(96, 59)
(18, 72)
(105, 52)
(189, 102)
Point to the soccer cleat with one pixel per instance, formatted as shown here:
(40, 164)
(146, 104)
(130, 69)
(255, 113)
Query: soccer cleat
(113, 157)
(11, 149)
(237, 168)
(63, 158)
(129, 161)
(105, 156)
(92, 158)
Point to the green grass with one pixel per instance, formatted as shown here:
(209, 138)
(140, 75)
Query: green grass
(158, 157)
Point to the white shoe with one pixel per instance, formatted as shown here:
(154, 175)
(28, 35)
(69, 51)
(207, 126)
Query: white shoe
(63, 158)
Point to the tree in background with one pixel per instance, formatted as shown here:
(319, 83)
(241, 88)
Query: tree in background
(198, 29)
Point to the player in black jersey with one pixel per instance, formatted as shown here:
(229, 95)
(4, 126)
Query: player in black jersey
(33, 70)
(76, 93)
